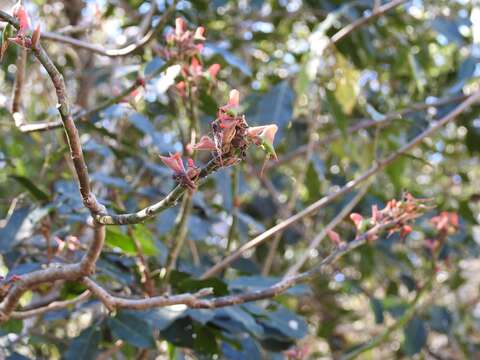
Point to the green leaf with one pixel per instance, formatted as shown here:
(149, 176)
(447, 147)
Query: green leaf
(441, 319)
(395, 172)
(346, 83)
(312, 182)
(286, 322)
(192, 285)
(116, 238)
(207, 103)
(205, 341)
(37, 193)
(145, 237)
(337, 112)
(85, 345)
(275, 106)
(11, 326)
(131, 327)
(415, 336)
(377, 309)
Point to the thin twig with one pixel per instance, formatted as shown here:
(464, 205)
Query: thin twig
(331, 225)
(150, 211)
(84, 115)
(272, 251)
(143, 267)
(235, 205)
(361, 124)
(179, 235)
(53, 306)
(125, 51)
(401, 322)
(378, 166)
(377, 11)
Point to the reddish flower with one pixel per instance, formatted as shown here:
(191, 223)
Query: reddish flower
(205, 143)
(446, 222)
(375, 214)
(406, 229)
(199, 33)
(453, 218)
(334, 237)
(357, 220)
(15, 278)
(192, 173)
(180, 26)
(19, 12)
(174, 162)
(195, 67)
(392, 204)
(141, 81)
(431, 245)
(265, 135)
(213, 71)
(19, 40)
(181, 87)
(233, 98)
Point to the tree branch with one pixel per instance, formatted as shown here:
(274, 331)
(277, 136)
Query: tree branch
(84, 115)
(331, 225)
(150, 211)
(379, 165)
(18, 86)
(196, 301)
(127, 50)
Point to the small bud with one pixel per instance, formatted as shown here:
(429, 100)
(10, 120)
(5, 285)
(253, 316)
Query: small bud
(141, 81)
(357, 220)
(36, 36)
(181, 87)
(334, 237)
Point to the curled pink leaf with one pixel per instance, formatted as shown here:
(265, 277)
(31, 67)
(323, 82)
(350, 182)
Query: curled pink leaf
(213, 71)
(205, 143)
(174, 162)
(19, 12)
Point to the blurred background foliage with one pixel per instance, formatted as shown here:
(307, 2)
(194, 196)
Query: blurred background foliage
(277, 53)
